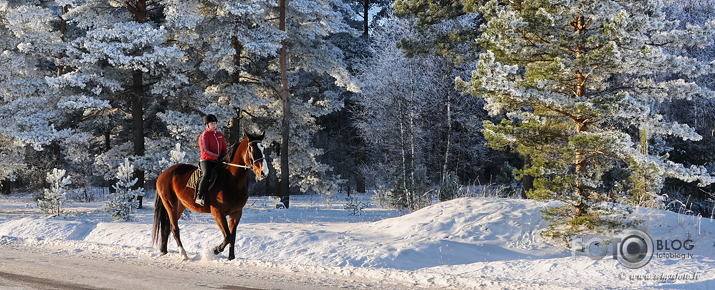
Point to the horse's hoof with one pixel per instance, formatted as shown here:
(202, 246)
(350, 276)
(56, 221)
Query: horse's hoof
(183, 255)
(231, 258)
(216, 251)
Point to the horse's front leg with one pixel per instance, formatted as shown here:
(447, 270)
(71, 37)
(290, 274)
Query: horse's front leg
(223, 225)
(233, 224)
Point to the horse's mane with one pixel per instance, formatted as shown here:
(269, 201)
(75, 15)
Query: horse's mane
(231, 150)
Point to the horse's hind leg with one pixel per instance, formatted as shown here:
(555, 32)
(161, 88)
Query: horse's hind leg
(177, 237)
(174, 215)
(165, 230)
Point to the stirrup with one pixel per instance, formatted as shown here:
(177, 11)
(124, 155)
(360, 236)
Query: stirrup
(199, 201)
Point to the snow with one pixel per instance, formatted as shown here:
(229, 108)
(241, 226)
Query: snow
(461, 244)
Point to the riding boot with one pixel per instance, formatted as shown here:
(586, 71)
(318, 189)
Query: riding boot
(199, 199)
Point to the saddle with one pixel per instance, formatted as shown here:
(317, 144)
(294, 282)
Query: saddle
(196, 177)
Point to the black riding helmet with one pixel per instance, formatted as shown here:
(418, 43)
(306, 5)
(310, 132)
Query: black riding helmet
(210, 118)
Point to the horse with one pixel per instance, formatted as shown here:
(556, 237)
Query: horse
(227, 197)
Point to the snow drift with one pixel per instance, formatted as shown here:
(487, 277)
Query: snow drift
(463, 243)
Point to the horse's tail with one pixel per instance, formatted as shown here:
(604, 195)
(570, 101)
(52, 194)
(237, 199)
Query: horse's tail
(161, 219)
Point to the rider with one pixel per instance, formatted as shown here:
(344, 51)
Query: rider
(212, 145)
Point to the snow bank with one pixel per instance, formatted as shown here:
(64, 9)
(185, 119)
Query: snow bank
(464, 243)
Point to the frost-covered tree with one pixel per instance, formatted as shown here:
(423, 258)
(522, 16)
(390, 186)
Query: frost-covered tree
(366, 12)
(125, 197)
(230, 43)
(317, 75)
(447, 28)
(51, 201)
(177, 155)
(575, 82)
(120, 66)
(235, 44)
(394, 90)
(397, 93)
(696, 112)
(28, 106)
(417, 126)
(231, 47)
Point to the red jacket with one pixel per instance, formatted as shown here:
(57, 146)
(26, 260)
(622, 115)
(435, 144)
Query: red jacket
(212, 144)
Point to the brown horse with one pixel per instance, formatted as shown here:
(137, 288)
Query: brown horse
(227, 197)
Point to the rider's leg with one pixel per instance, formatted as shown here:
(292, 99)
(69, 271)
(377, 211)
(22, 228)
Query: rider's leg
(207, 168)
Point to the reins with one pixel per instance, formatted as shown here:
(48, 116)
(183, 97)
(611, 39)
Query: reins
(237, 165)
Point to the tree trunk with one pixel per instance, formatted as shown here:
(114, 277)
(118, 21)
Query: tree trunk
(107, 139)
(411, 196)
(238, 48)
(582, 205)
(234, 128)
(360, 183)
(234, 124)
(411, 200)
(285, 125)
(403, 146)
(139, 11)
(5, 187)
(449, 137)
(138, 125)
(365, 18)
(63, 31)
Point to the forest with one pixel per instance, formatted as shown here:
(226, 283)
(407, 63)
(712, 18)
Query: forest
(590, 102)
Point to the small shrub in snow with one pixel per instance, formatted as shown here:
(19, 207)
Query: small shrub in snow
(391, 198)
(125, 199)
(354, 205)
(51, 201)
(450, 187)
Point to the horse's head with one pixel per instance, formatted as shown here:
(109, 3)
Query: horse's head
(255, 155)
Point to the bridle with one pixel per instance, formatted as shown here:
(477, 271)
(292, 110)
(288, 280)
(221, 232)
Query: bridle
(250, 152)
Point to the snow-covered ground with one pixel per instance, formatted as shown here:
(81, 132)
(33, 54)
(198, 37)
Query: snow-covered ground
(464, 243)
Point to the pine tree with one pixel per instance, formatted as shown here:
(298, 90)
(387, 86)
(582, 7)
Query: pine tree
(230, 43)
(317, 76)
(51, 201)
(447, 28)
(238, 78)
(29, 111)
(125, 198)
(368, 11)
(574, 82)
(697, 112)
(120, 67)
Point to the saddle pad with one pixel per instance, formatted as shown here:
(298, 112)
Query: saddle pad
(194, 179)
